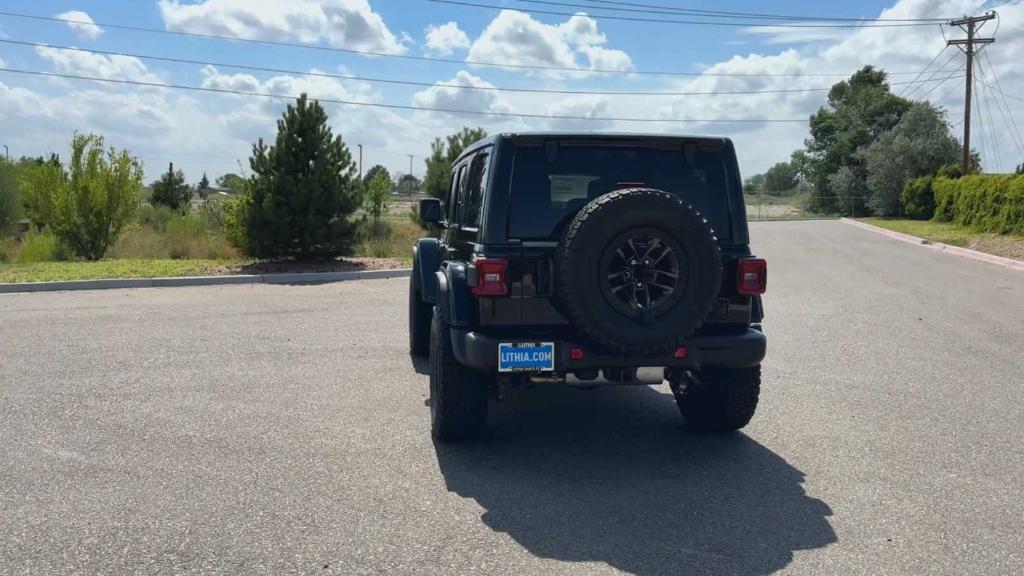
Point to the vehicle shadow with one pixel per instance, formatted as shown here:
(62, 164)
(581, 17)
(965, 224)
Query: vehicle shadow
(609, 476)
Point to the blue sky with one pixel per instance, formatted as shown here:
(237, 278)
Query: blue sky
(211, 133)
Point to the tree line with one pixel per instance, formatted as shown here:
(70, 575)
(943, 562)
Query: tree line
(864, 145)
(302, 199)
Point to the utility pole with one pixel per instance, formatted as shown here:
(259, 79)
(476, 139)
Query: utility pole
(7, 154)
(360, 161)
(410, 174)
(970, 25)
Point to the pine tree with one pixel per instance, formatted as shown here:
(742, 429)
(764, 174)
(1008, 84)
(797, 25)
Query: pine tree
(171, 190)
(203, 187)
(303, 189)
(442, 154)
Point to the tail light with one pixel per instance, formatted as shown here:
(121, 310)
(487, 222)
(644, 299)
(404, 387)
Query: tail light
(751, 276)
(491, 277)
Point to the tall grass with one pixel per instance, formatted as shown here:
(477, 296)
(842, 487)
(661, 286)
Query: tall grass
(34, 247)
(389, 238)
(163, 234)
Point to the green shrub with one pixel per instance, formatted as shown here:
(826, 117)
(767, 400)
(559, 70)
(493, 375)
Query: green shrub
(10, 196)
(236, 214)
(950, 171)
(156, 217)
(88, 205)
(917, 199)
(8, 249)
(39, 247)
(982, 202)
(212, 214)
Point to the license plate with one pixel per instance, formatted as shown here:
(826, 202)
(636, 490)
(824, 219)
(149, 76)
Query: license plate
(526, 356)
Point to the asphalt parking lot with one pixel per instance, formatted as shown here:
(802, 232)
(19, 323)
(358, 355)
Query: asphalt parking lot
(283, 429)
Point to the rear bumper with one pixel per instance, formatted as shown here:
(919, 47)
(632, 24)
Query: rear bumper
(741, 350)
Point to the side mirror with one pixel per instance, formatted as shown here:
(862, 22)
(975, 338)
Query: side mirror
(430, 211)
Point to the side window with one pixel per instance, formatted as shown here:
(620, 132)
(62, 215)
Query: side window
(455, 195)
(475, 188)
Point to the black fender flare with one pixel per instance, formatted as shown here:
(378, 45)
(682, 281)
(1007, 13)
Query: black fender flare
(426, 261)
(454, 298)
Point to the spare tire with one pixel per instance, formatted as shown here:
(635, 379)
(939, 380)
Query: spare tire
(638, 270)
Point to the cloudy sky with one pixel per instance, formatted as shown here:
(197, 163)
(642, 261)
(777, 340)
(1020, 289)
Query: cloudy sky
(213, 132)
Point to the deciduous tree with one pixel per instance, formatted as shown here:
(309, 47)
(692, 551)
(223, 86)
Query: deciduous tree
(919, 145)
(378, 195)
(858, 112)
(89, 204)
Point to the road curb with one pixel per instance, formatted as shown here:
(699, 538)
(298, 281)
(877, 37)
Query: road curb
(294, 278)
(965, 252)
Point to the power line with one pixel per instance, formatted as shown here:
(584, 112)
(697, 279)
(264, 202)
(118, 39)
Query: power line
(985, 105)
(410, 107)
(415, 83)
(932, 76)
(1011, 96)
(685, 22)
(761, 16)
(1012, 121)
(662, 9)
(941, 82)
(936, 57)
(978, 121)
(422, 58)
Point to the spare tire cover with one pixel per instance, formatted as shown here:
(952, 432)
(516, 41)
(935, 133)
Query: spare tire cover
(638, 270)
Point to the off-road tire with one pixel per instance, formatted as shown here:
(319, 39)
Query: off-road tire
(591, 234)
(420, 313)
(459, 395)
(719, 400)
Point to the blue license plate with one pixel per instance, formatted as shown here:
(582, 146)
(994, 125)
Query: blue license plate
(526, 357)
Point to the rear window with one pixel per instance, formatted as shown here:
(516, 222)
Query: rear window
(550, 184)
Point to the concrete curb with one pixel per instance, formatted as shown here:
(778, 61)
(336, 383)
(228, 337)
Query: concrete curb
(296, 278)
(965, 252)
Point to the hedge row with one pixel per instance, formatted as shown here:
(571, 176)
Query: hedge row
(983, 202)
(918, 199)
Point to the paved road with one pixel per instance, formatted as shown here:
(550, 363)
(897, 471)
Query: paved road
(282, 429)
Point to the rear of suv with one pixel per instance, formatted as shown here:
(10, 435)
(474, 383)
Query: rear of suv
(587, 260)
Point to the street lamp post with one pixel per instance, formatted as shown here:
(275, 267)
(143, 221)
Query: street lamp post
(7, 153)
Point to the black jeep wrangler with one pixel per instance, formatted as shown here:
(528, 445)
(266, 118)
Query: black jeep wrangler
(589, 259)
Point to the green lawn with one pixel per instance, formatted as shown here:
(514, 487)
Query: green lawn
(107, 269)
(935, 231)
(1005, 245)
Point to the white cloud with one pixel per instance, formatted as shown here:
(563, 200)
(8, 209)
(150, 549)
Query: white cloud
(348, 23)
(583, 106)
(99, 65)
(212, 78)
(516, 38)
(581, 30)
(451, 98)
(82, 24)
(208, 131)
(446, 38)
(601, 58)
